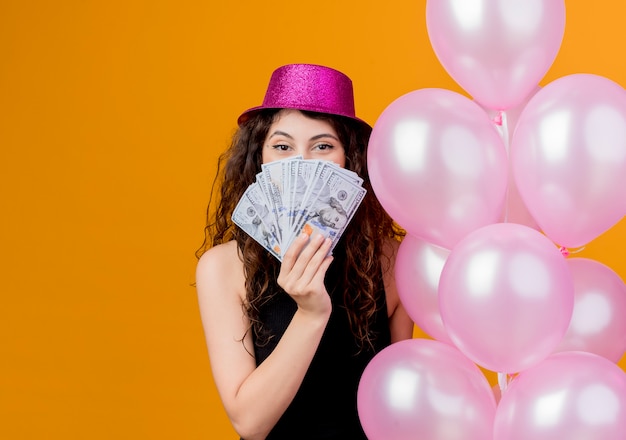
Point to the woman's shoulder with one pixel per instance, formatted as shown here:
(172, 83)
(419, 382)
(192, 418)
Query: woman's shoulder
(221, 265)
(389, 252)
(388, 261)
(220, 257)
(220, 251)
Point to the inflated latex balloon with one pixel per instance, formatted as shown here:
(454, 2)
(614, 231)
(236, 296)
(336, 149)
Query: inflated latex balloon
(568, 156)
(424, 389)
(570, 395)
(438, 165)
(506, 297)
(598, 323)
(515, 210)
(417, 270)
(497, 50)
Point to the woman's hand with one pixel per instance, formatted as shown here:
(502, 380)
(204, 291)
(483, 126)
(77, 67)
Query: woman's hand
(302, 273)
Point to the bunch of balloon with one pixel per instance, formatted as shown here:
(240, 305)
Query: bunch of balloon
(493, 192)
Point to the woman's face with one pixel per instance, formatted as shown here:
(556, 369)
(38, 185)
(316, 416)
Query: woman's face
(294, 134)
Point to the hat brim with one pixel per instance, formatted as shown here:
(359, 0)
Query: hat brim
(251, 111)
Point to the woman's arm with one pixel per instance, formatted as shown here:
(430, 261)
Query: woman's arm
(400, 324)
(255, 398)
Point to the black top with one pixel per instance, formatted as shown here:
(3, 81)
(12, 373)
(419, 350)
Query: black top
(325, 405)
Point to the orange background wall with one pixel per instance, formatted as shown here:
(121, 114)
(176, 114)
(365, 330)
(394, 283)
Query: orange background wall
(112, 115)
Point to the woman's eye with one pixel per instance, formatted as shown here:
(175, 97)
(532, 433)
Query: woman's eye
(324, 147)
(281, 147)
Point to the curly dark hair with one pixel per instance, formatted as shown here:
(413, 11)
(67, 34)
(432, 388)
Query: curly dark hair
(370, 226)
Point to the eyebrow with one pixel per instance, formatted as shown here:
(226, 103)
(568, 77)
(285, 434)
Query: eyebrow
(314, 138)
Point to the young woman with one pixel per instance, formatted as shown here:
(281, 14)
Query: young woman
(288, 341)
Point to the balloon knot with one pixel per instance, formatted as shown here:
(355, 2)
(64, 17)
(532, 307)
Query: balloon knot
(497, 119)
(564, 251)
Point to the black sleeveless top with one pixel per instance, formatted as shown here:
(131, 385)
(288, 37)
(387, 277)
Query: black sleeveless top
(325, 405)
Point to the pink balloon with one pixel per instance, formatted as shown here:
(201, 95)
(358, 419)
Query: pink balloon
(598, 323)
(515, 210)
(421, 388)
(438, 165)
(568, 156)
(506, 297)
(417, 270)
(497, 50)
(573, 395)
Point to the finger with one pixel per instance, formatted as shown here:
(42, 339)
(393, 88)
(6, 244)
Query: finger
(301, 272)
(317, 263)
(315, 284)
(293, 263)
(290, 257)
(321, 271)
(310, 250)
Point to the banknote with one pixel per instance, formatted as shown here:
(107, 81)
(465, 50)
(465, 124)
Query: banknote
(271, 178)
(329, 208)
(295, 195)
(255, 218)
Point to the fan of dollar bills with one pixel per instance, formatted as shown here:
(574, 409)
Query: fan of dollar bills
(294, 195)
